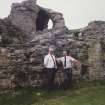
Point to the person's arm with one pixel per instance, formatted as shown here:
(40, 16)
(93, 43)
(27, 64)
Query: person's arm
(45, 61)
(74, 60)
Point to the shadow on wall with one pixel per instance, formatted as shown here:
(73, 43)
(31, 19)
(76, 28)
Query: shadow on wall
(42, 20)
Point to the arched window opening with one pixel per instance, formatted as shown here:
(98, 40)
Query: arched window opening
(42, 20)
(50, 24)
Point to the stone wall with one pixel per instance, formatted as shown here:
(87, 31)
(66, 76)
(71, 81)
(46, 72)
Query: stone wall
(29, 18)
(23, 16)
(23, 46)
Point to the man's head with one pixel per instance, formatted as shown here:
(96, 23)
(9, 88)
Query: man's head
(65, 52)
(51, 50)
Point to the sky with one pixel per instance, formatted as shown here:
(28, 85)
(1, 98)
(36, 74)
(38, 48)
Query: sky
(77, 13)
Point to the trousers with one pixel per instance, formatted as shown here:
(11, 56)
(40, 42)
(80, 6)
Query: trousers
(50, 74)
(67, 78)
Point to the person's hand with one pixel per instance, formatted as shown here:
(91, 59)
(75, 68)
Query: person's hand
(77, 62)
(58, 60)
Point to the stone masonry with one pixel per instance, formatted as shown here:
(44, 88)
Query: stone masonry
(25, 38)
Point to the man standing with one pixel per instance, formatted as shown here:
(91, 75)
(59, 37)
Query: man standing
(67, 62)
(50, 66)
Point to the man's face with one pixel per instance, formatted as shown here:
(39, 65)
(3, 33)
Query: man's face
(51, 50)
(65, 53)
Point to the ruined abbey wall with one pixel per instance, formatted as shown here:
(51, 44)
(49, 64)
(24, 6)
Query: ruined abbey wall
(25, 38)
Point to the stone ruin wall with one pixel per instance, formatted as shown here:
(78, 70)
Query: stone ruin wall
(24, 40)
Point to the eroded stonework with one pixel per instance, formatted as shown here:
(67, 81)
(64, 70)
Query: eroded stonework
(25, 38)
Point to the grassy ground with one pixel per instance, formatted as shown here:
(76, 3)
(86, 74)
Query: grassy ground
(82, 93)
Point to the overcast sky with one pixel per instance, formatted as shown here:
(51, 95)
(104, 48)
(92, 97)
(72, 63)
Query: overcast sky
(77, 13)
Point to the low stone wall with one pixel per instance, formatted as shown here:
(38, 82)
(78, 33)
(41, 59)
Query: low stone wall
(19, 67)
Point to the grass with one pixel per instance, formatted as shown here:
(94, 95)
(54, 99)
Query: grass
(82, 93)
